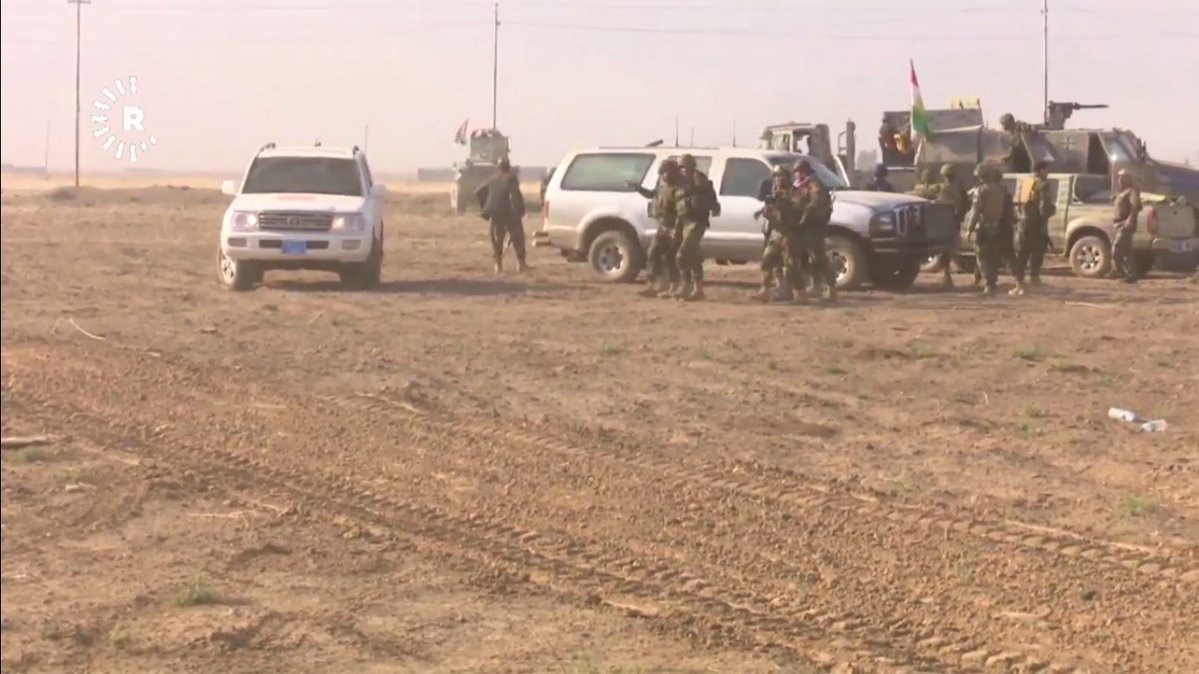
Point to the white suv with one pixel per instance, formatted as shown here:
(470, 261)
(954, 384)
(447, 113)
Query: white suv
(303, 208)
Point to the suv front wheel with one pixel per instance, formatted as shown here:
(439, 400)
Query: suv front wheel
(237, 275)
(366, 274)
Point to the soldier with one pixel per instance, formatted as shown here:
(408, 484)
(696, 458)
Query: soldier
(927, 188)
(1128, 207)
(782, 258)
(1015, 130)
(886, 141)
(504, 206)
(950, 192)
(696, 203)
(985, 224)
(880, 183)
(664, 272)
(815, 209)
(1032, 235)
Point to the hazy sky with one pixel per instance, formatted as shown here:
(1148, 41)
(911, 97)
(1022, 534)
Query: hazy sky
(218, 78)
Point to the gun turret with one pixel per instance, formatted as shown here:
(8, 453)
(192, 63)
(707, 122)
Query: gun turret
(1057, 113)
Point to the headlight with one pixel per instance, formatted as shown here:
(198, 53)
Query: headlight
(244, 220)
(882, 223)
(349, 222)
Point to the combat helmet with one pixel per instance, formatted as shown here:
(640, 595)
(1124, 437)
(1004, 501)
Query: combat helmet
(982, 172)
(687, 161)
(781, 171)
(668, 165)
(880, 170)
(803, 166)
(926, 176)
(1007, 119)
(947, 170)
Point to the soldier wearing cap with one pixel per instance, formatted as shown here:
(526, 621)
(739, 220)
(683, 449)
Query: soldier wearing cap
(815, 210)
(696, 203)
(1127, 209)
(504, 206)
(1032, 234)
(660, 258)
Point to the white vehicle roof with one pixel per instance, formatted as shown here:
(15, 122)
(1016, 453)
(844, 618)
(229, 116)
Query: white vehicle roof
(670, 150)
(308, 151)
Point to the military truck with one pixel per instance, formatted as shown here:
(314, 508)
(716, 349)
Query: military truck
(1081, 230)
(815, 141)
(487, 147)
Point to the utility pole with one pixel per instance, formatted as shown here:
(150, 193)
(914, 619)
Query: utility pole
(734, 132)
(495, 66)
(1045, 60)
(676, 131)
(78, 66)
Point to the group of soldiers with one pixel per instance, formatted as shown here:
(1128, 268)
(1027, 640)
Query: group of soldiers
(684, 202)
(797, 213)
(1014, 234)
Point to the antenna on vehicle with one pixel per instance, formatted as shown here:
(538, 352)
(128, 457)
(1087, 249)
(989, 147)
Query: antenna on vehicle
(317, 143)
(676, 130)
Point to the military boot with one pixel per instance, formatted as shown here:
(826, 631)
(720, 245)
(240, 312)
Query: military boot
(1018, 290)
(1036, 280)
(684, 291)
(651, 289)
(784, 293)
(697, 292)
(499, 267)
(947, 279)
(988, 291)
(669, 290)
(522, 266)
(830, 293)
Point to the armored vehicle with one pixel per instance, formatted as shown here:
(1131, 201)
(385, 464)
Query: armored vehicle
(487, 148)
(960, 137)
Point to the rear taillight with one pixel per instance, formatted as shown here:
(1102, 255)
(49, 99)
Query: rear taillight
(1151, 221)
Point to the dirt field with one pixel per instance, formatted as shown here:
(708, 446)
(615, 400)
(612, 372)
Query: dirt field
(541, 473)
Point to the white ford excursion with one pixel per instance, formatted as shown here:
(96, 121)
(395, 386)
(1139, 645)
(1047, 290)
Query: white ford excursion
(306, 207)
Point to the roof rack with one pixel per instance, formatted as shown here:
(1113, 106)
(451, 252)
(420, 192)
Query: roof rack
(356, 150)
(268, 146)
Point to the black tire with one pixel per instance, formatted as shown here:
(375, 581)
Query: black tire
(896, 273)
(238, 276)
(364, 275)
(615, 256)
(1091, 256)
(849, 261)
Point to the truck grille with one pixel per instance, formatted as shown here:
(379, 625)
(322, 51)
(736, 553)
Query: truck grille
(909, 220)
(283, 221)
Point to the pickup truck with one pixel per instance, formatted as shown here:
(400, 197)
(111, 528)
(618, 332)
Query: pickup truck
(592, 214)
(1167, 234)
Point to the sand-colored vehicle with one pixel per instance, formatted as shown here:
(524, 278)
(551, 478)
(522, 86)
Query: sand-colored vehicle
(487, 148)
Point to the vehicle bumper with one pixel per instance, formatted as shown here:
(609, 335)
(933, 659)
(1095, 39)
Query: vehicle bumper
(915, 247)
(319, 247)
(562, 238)
(1175, 254)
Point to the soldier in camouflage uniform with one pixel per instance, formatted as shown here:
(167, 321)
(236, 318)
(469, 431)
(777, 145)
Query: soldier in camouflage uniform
(1128, 208)
(696, 203)
(503, 206)
(782, 258)
(660, 258)
(985, 224)
(1032, 234)
(880, 183)
(927, 188)
(949, 192)
(815, 206)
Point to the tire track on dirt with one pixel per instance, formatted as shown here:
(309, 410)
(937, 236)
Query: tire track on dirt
(632, 585)
(779, 485)
(801, 628)
(895, 629)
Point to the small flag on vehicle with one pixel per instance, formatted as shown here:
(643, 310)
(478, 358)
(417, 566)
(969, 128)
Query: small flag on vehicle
(919, 114)
(460, 134)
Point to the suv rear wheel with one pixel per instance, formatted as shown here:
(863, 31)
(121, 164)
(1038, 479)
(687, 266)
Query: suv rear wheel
(615, 256)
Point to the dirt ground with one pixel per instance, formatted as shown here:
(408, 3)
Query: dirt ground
(542, 473)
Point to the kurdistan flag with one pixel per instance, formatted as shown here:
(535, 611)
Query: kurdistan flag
(919, 114)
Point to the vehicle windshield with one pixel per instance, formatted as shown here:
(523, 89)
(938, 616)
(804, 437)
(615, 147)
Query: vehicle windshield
(830, 180)
(303, 175)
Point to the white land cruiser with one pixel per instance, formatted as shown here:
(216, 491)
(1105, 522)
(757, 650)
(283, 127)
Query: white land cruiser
(303, 208)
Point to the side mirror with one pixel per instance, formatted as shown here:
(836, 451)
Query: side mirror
(765, 188)
(649, 208)
(229, 187)
(378, 190)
